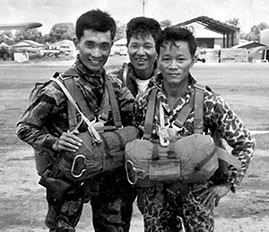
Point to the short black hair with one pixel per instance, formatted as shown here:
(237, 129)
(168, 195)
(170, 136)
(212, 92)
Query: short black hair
(96, 20)
(143, 26)
(173, 34)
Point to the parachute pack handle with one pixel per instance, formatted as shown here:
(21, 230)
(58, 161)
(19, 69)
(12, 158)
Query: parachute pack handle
(170, 150)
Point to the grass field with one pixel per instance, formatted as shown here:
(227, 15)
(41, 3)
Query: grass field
(22, 204)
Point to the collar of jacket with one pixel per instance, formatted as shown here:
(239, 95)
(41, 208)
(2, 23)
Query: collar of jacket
(131, 72)
(94, 78)
(157, 81)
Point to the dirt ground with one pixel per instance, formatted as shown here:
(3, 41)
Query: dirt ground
(22, 200)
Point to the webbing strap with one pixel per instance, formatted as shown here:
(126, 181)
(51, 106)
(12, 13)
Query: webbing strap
(198, 109)
(114, 104)
(196, 101)
(124, 75)
(184, 112)
(150, 114)
(72, 112)
(80, 100)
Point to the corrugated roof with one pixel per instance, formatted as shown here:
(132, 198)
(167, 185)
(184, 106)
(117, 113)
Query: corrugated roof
(211, 24)
(251, 44)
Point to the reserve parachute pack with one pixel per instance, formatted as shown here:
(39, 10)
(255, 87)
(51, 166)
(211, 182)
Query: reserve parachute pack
(189, 159)
(103, 146)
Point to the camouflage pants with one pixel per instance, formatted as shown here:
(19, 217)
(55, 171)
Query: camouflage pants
(111, 199)
(163, 213)
(112, 202)
(65, 215)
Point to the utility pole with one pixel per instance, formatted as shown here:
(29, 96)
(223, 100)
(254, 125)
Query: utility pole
(144, 3)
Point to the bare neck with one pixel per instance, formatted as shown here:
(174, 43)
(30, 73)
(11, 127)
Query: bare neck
(144, 74)
(174, 91)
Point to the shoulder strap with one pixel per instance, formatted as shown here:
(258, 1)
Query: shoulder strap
(70, 83)
(68, 79)
(198, 109)
(90, 125)
(196, 102)
(150, 114)
(80, 100)
(184, 112)
(72, 111)
(114, 104)
(124, 74)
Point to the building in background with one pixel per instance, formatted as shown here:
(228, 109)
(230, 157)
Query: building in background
(27, 49)
(228, 32)
(264, 39)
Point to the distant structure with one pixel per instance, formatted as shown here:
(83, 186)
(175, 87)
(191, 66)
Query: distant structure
(226, 36)
(143, 3)
(264, 39)
(20, 26)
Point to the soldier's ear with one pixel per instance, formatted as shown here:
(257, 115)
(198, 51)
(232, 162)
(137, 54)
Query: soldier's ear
(76, 42)
(195, 59)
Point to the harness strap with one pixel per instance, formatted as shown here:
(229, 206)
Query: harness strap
(80, 100)
(124, 75)
(198, 109)
(114, 104)
(72, 112)
(196, 102)
(184, 112)
(68, 78)
(69, 81)
(150, 114)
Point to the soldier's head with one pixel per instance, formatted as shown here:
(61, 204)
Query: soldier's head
(171, 34)
(143, 27)
(95, 20)
(95, 31)
(142, 34)
(176, 55)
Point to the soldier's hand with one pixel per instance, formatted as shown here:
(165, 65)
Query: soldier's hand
(214, 194)
(68, 141)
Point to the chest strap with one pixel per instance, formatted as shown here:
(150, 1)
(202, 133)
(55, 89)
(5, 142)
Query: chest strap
(76, 93)
(150, 114)
(196, 103)
(73, 115)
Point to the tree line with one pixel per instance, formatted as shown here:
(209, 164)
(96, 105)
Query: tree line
(62, 31)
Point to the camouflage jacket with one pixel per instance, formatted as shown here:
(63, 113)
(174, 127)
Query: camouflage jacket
(217, 114)
(47, 118)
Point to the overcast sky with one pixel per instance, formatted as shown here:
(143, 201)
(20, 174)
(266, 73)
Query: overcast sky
(50, 12)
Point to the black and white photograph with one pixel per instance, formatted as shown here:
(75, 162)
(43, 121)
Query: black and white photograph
(134, 116)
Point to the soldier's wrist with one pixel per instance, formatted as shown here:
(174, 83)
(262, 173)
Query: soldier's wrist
(55, 146)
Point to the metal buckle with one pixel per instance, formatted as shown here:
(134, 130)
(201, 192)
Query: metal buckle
(133, 173)
(74, 163)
